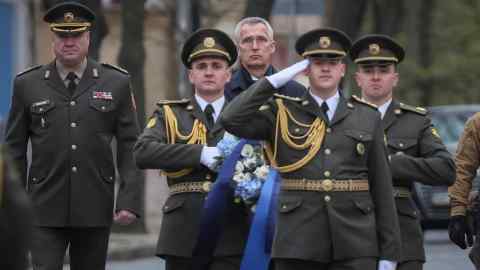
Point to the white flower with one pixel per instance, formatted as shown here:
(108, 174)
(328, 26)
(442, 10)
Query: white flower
(247, 151)
(250, 163)
(239, 167)
(239, 177)
(262, 172)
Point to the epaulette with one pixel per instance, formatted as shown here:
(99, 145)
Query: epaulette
(359, 100)
(419, 110)
(116, 68)
(168, 102)
(29, 69)
(287, 97)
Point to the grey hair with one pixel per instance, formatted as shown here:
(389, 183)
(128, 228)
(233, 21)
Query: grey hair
(252, 20)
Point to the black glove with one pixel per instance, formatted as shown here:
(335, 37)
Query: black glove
(458, 229)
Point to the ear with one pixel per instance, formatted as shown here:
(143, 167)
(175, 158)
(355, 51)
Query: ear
(229, 74)
(274, 46)
(190, 75)
(396, 79)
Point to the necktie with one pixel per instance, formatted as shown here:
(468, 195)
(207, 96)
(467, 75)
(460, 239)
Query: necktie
(209, 115)
(71, 82)
(325, 109)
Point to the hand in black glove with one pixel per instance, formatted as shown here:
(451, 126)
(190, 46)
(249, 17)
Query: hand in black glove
(458, 229)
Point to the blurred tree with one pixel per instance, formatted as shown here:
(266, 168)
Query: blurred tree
(99, 29)
(346, 15)
(132, 58)
(259, 8)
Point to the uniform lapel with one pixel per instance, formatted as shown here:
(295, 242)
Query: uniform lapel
(217, 126)
(197, 111)
(88, 79)
(341, 112)
(52, 79)
(391, 114)
(309, 105)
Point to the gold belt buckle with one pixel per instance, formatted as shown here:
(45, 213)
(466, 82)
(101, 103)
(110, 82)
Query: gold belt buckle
(206, 186)
(327, 185)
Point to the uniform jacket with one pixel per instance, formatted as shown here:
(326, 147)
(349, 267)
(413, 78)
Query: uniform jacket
(417, 155)
(72, 172)
(241, 80)
(326, 226)
(182, 212)
(467, 161)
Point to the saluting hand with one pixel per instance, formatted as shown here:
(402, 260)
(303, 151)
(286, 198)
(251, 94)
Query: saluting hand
(124, 217)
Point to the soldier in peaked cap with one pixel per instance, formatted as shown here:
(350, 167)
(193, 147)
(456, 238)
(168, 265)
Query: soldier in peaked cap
(180, 139)
(417, 154)
(335, 208)
(70, 110)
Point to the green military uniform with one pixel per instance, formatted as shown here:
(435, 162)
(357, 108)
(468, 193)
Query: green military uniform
(15, 218)
(417, 152)
(172, 142)
(71, 179)
(335, 204)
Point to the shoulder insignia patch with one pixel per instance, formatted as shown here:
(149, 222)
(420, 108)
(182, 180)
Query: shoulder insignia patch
(116, 68)
(287, 97)
(359, 100)
(177, 101)
(29, 69)
(414, 109)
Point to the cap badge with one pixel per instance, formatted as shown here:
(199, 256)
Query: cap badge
(374, 49)
(209, 42)
(68, 17)
(324, 42)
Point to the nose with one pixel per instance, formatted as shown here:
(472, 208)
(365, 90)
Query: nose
(375, 75)
(255, 44)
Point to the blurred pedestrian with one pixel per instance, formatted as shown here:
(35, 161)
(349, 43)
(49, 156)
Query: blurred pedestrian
(15, 218)
(70, 110)
(256, 45)
(180, 139)
(417, 153)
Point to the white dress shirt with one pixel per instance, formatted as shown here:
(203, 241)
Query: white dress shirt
(217, 105)
(332, 103)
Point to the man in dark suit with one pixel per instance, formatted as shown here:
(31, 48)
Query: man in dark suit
(256, 46)
(180, 139)
(70, 110)
(335, 205)
(15, 218)
(417, 153)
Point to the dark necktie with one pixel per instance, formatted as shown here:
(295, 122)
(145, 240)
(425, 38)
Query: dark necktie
(325, 109)
(209, 115)
(71, 82)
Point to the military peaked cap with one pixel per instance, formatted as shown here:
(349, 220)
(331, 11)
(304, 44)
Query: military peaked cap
(209, 42)
(69, 18)
(324, 41)
(376, 48)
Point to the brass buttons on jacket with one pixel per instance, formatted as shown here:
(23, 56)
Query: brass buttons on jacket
(327, 198)
(327, 174)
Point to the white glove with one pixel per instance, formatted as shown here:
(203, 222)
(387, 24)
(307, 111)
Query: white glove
(208, 155)
(280, 78)
(387, 265)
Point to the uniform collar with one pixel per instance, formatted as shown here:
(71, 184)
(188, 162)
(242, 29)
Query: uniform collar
(63, 71)
(384, 107)
(217, 105)
(332, 102)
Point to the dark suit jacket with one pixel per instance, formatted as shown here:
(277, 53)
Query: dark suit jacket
(72, 172)
(326, 226)
(182, 212)
(417, 155)
(241, 80)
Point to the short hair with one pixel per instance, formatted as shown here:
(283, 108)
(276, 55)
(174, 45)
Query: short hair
(252, 20)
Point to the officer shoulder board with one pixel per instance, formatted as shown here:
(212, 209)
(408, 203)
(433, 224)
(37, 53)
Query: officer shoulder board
(116, 68)
(359, 100)
(287, 97)
(419, 110)
(182, 101)
(28, 70)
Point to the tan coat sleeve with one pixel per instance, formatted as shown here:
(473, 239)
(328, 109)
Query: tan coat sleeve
(467, 162)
